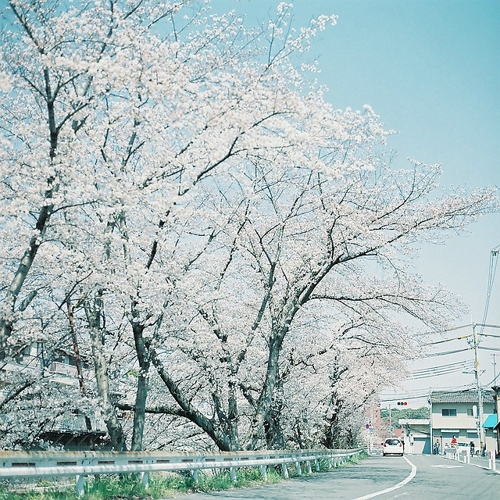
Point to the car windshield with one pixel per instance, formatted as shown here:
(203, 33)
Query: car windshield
(392, 442)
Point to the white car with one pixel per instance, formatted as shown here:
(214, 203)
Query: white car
(392, 446)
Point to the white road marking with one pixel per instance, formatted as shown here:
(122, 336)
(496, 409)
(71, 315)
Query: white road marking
(448, 466)
(395, 487)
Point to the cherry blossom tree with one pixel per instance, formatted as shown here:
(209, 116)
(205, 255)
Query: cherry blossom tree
(182, 207)
(119, 106)
(313, 264)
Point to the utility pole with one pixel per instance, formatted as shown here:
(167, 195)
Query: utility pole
(496, 390)
(480, 431)
(390, 418)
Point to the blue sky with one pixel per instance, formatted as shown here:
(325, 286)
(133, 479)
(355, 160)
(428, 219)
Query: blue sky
(431, 70)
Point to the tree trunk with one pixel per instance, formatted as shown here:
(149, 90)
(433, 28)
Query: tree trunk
(102, 379)
(262, 414)
(142, 387)
(7, 311)
(191, 413)
(78, 360)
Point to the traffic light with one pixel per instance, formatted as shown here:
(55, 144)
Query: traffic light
(402, 403)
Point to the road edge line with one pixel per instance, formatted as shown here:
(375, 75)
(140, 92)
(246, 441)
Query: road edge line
(395, 487)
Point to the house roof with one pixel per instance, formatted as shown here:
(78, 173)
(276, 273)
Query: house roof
(468, 396)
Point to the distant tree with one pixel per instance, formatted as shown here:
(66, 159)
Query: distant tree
(397, 413)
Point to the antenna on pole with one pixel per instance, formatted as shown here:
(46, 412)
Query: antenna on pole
(491, 278)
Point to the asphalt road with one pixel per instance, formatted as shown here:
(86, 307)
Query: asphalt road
(413, 477)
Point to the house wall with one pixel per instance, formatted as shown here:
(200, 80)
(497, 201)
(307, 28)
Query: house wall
(416, 431)
(463, 425)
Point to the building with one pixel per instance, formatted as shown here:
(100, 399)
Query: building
(453, 414)
(456, 414)
(69, 428)
(416, 435)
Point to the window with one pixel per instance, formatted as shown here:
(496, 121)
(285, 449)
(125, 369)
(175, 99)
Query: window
(449, 412)
(470, 412)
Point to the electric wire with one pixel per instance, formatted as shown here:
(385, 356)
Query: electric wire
(448, 340)
(445, 353)
(442, 369)
(461, 365)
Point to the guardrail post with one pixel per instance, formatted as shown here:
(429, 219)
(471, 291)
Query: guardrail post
(493, 462)
(233, 474)
(284, 470)
(145, 480)
(308, 464)
(80, 486)
(316, 464)
(263, 471)
(194, 474)
(299, 468)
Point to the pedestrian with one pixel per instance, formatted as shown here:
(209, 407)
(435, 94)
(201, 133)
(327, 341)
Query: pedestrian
(454, 442)
(436, 447)
(472, 446)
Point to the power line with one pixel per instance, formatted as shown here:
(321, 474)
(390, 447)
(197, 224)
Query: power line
(445, 353)
(446, 330)
(489, 348)
(442, 370)
(448, 340)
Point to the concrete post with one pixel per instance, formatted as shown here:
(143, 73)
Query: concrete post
(80, 486)
(194, 473)
(263, 472)
(284, 469)
(299, 469)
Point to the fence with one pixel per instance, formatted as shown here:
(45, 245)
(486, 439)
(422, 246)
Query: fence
(464, 456)
(80, 464)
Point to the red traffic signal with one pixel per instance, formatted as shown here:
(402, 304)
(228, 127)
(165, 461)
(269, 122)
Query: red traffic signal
(402, 403)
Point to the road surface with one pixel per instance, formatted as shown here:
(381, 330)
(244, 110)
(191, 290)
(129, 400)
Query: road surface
(412, 477)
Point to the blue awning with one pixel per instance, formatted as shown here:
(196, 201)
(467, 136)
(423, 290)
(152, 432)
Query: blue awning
(491, 421)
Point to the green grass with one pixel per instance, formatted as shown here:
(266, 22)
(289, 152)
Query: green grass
(128, 486)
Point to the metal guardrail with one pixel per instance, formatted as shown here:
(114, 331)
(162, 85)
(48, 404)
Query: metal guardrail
(17, 464)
